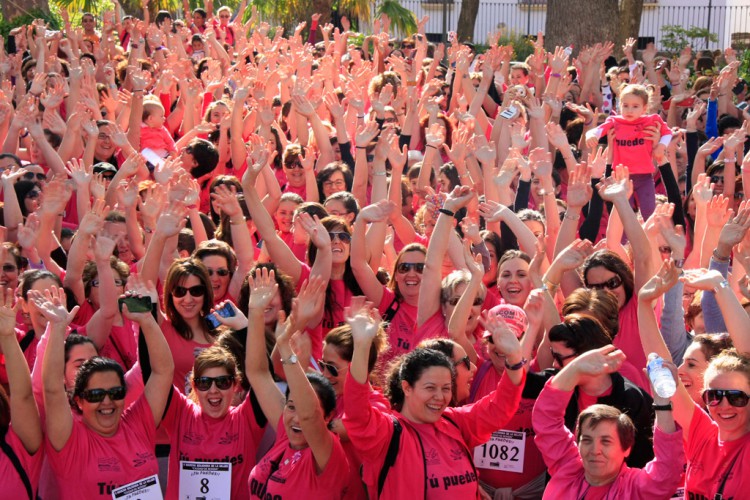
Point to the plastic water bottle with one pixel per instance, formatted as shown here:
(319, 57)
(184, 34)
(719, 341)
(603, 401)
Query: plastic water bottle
(660, 376)
(569, 50)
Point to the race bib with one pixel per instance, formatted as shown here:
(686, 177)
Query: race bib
(143, 489)
(679, 494)
(205, 480)
(504, 451)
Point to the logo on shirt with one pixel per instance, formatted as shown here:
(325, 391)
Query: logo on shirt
(229, 438)
(431, 457)
(457, 454)
(142, 458)
(108, 464)
(192, 438)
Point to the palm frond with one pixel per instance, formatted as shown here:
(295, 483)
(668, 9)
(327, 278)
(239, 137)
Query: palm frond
(402, 18)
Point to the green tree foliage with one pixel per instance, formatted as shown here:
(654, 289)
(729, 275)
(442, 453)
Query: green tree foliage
(676, 37)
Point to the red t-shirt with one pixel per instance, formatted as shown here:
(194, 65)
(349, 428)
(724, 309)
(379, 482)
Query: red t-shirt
(91, 465)
(631, 147)
(196, 437)
(184, 353)
(13, 486)
(286, 473)
(121, 345)
(402, 328)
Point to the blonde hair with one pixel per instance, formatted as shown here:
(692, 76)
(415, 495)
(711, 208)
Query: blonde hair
(729, 361)
(636, 90)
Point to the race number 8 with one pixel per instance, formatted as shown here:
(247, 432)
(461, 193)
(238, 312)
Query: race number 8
(204, 485)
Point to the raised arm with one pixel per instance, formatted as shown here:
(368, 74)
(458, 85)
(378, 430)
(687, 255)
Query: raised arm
(363, 273)
(459, 318)
(99, 326)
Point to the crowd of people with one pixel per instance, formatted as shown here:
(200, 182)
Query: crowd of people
(240, 263)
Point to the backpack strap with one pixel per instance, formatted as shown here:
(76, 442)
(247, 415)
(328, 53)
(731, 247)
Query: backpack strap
(391, 311)
(17, 465)
(25, 342)
(390, 456)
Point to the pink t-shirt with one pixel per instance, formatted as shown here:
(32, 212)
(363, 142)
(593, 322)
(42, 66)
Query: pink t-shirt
(450, 473)
(184, 353)
(433, 328)
(91, 465)
(631, 146)
(628, 340)
(285, 473)
(121, 345)
(197, 437)
(13, 486)
(709, 458)
(402, 328)
(158, 139)
(300, 190)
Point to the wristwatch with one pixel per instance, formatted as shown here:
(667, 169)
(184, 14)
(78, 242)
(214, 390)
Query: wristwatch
(291, 361)
(666, 407)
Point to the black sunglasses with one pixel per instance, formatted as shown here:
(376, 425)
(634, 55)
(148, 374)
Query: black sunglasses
(405, 267)
(33, 194)
(29, 176)
(561, 358)
(221, 272)
(98, 395)
(736, 398)
(195, 291)
(328, 366)
(9, 268)
(610, 284)
(223, 382)
(296, 164)
(466, 362)
(478, 301)
(343, 236)
(717, 178)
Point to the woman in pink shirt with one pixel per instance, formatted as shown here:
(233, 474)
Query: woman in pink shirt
(307, 460)
(20, 428)
(592, 463)
(432, 440)
(109, 446)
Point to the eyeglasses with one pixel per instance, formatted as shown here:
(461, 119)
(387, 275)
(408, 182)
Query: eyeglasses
(610, 284)
(736, 398)
(466, 362)
(296, 165)
(221, 272)
(223, 382)
(391, 120)
(338, 184)
(195, 291)
(342, 236)
(33, 194)
(29, 176)
(9, 268)
(108, 176)
(477, 301)
(405, 267)
(407, 46)
(118, 282)
(98, 395)
(328, 366)
(717, 178)
(560, 358)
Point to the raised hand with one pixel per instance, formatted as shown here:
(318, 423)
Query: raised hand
(702, 279)
(7, 313)
(378, 212)
(263, 288)
(617, 186)
(662, 281)
(574, 254)
(51, 304)
(172, 220)
(309, 303)
(607, 359)
(363, 319)
(237, 321)
(503, 338)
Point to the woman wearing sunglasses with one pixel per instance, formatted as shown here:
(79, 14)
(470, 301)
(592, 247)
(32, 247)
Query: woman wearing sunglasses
(107, 445)
(307, 460)
(221, 262)
(434, 440)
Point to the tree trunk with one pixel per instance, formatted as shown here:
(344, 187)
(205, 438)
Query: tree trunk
(466, 20)
(580, 22)
(13, 8)
(630, 22)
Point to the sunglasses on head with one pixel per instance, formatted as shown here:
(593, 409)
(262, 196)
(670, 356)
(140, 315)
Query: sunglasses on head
(465, 361)
(195, 291)
(478, 301)
(328, 366)
(9, 268)
(221, 272)
(560, 358)
(610, 284)
(342, 236)
(29, 176)
(736, 398)
(98, 395)
(223, 382)
(405, 267)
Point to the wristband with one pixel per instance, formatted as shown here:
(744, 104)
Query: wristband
(237, 222)
(517, 366)
(379, 173)
(361, 147)
(431, 146)
(719, 259)
(411, 83)
(447, 212)
(666, 407)
(571, 216)
(678, 263)
(555, 75)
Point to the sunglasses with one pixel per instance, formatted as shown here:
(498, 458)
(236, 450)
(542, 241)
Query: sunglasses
(118, 282)
(296, 165)
(407, 46)
(736, 398)
(342, 236)
(223, 382)
(561, 358)
(195, 291)
(328, 366)
(9, 268)
(33, 194)
(405, 267)
(29, 176)
(477, 301)
(108, 176)
(466, 362)
(98, 395)
(717, 178)
(221, 272)
(610, 284)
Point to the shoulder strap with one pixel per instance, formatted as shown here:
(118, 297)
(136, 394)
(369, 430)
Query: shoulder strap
(17, 465)
(390, 456)
(478, 379)
(726, 476)
(391, 311)
(25, 342)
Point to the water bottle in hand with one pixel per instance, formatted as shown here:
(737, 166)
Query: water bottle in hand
(660, 376)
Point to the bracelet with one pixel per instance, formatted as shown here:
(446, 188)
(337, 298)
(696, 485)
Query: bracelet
(465, 174)
(517, 366)
(447, 212)
(717, 258)
(588, 122)
(136, 91)
(666, 407)
(361, 147)
(555, 75)
(730, 160)
(571, 216)
(237, 222)
(411, 83)
(431, 146)
(360, 116)
(379, 173)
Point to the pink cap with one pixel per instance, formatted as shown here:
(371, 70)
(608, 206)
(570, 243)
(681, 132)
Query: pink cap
(514, 317)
